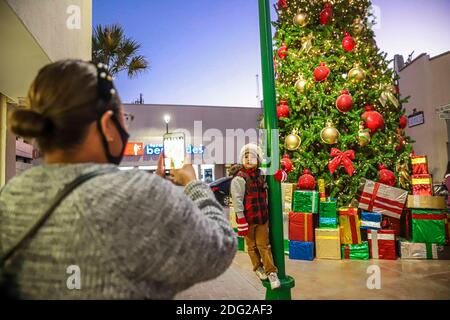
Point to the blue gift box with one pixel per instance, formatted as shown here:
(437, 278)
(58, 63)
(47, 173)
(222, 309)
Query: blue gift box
(371, 220)
(301, 250)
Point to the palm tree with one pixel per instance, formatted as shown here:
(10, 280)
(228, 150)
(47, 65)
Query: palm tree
(111, 47)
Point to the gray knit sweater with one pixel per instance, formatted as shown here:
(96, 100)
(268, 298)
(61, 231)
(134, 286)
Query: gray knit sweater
(132, 235)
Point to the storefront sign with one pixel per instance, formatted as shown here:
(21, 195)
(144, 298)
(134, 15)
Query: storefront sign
(156, 149)
(416, 119)
(134, 149)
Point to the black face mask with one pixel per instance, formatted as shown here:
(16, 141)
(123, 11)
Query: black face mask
(124, 136)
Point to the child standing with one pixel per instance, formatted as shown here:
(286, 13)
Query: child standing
(248, 190)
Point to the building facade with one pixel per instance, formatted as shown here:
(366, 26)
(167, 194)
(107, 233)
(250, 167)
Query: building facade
(214, 135)
(33, 34)
(427, 81)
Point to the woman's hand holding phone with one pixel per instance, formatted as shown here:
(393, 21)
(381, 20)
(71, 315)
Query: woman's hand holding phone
(180, 176)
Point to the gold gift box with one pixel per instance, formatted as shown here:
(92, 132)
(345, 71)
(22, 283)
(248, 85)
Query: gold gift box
(233, 218)
(426, 202)
(328, 244)
(287, 190)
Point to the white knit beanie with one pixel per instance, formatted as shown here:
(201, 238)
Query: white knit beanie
(252, 149)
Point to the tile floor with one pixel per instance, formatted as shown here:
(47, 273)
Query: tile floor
(334, 280)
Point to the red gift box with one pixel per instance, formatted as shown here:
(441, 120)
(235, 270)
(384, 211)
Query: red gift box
(382, 244)
(301, 226)
(419, 164)
(422, 185)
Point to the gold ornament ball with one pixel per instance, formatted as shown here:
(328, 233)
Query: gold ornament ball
(293, 141)
(300, 85)
(358, 26)
(363, 135)
(329, 134)
(301, 19)
(356, 75)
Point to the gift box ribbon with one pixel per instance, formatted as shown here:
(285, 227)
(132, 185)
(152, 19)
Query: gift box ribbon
(327, 238)
(348, 211)
(416, 181)
(429, 216)
(419, 160)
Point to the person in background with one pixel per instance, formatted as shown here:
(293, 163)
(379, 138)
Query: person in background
(130, 234)
(249, 194)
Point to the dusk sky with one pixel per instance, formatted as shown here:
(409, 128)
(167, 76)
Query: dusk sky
(206, 52)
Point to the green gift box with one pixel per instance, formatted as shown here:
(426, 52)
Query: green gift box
(286, 246)
(241, 243)
(306, 201)
(328, 215)
(355, 251)
(428, 226)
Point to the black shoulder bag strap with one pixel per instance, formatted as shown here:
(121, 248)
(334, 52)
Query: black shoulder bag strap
(56, 202)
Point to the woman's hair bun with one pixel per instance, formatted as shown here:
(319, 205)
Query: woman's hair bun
(30, 124)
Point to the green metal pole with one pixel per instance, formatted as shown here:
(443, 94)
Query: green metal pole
(270, 123)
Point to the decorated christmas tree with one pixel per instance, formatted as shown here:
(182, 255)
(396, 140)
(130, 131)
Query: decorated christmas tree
(339, 108)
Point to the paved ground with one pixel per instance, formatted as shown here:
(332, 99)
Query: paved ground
(327, 279)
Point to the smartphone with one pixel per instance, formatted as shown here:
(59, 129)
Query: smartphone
(174, 150)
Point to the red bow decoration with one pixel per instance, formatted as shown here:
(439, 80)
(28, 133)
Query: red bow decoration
(282, 4)
(344, 158)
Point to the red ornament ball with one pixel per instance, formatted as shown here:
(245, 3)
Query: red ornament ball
(283, 110)
(286, 163)
(403, 122)
(306, 181)
(280, 175)
(321, 73)
(373, 120)
(282, 4)
(282, 52)
(326, 14)
(348, 43)
(344, 102)
(387, 177)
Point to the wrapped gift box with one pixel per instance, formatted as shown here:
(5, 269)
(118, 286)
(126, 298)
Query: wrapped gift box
(287, 190)
(414, 251)
(301, 227)
(306, 201)
(322, 194)
(286, 226)
(382, 244)
(355, 251)
(419, 164)
(241, 243)
(447, 230)
(233, 218)
(349, 225)
(405, 224)
(328, 214)
(422, 185)
(371, 220)
(328, 244)
(286, 247)
(301, 250)
(376, 197)
(426, 202)
(428, 226)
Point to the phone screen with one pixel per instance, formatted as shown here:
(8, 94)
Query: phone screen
(174, 150)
